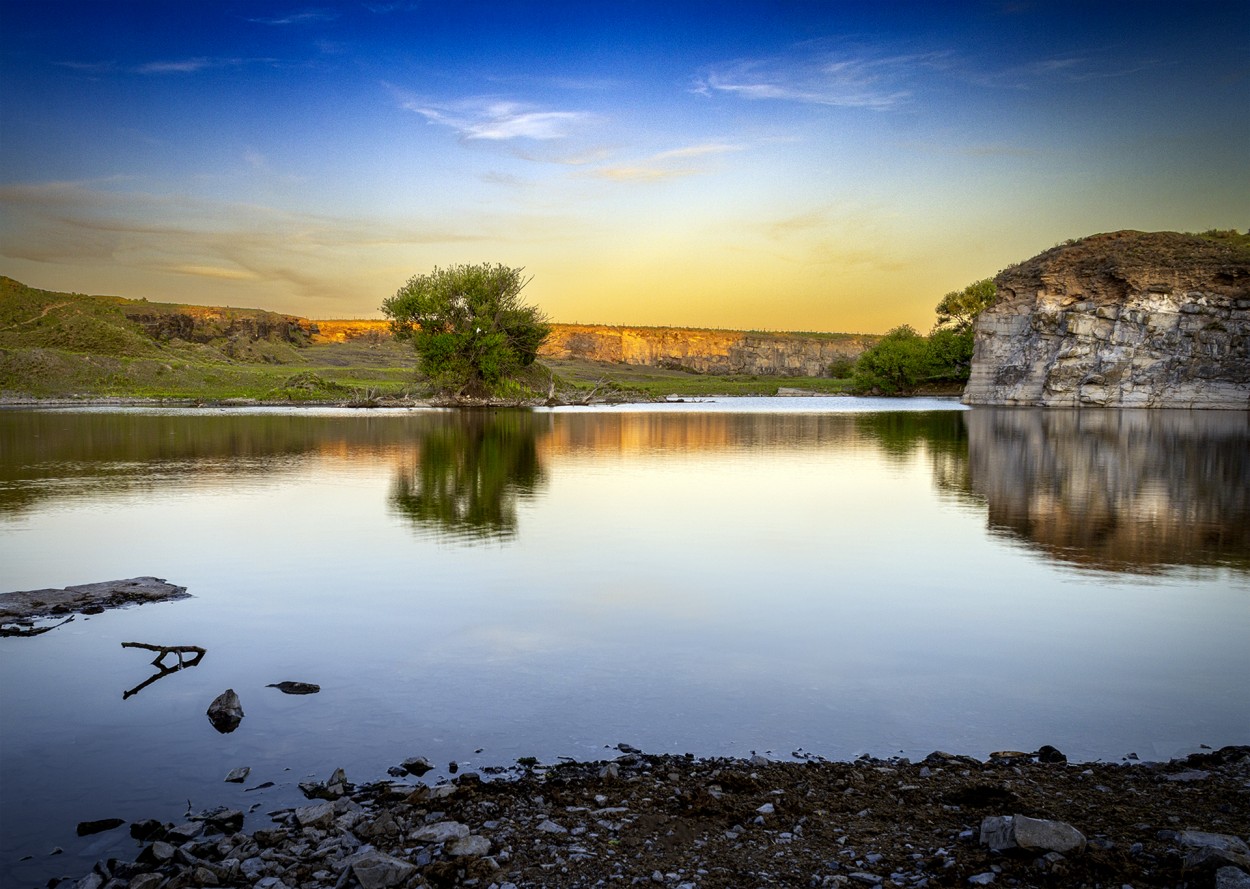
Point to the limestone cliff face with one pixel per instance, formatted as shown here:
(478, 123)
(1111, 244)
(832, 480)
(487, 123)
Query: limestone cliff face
(1127, 319)
(702, 351)
(705, 351)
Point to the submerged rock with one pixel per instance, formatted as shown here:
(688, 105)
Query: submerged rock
(295, 688)
(87, 828)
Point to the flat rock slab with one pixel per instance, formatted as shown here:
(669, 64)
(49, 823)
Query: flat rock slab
(87, 598)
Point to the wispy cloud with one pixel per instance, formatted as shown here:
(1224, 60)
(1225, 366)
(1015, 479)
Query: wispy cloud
(674, 163)
(306, 17)
(184, 66)
(1074, 69)
(821, 76)
(497, 120)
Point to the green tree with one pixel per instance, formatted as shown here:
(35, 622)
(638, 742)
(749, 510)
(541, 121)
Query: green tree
(896, 365)
(959, 308)
(469, 325)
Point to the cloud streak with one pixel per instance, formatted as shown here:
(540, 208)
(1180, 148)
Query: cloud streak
(497, 120)
(833, 78)
(674, 163)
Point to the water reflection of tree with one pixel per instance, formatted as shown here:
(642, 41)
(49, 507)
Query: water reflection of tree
(470, 473)
(942, 436)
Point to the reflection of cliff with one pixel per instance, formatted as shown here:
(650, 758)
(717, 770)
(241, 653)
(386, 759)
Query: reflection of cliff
(1118, 490)
(470, 472)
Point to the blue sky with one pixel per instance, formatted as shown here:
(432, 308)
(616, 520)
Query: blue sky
(816, 166)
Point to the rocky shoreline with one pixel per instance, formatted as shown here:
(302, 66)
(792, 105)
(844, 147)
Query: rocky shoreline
(1018, 819)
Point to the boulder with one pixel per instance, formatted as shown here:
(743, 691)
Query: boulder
(440, 832)
(226, 711)
(376, 870)
(1005, 832)
(1213, 850)
(417, 765)
(472, 846)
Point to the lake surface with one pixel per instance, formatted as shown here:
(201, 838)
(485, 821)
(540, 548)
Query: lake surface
(836, 575)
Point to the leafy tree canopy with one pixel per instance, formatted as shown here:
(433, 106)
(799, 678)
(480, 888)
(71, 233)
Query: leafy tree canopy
(960, 308)
(469, 325)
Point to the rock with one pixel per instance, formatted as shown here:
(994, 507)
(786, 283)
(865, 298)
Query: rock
(1036, 834)
(145, 881)
(239, 775)
(1188, 776)
(766, 809)
(704, 351)
(87, 828)
(982, 879)
(1231, 878)
(295, 688)
(472, 846)
(549, 826)
(1208, 850)
(1046, 753)
(319, 815)
(146, 830)
(181, 833)
(226, 711)
(376, 870)
(1127, 319)
(1004, 832)
(90, 881)
(221, 819)
(440, 832)
(97, 597)
(417, 765)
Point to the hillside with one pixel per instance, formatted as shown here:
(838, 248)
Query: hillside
(56, 345)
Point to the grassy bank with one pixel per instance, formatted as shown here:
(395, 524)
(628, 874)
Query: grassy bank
(63, 346)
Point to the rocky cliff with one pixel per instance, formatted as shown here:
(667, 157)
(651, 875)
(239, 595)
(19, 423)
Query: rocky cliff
(706, 351)
(701, 351)
(1127, 319)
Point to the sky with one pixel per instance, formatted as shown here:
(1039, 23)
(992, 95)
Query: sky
(830, 166)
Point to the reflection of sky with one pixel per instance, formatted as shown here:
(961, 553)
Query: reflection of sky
(712, 601)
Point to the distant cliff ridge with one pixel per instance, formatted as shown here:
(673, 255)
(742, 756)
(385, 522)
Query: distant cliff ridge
(702, 351)
(706, 351)
(1127, 319)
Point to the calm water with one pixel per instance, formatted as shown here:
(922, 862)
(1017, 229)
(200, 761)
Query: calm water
(836, 575)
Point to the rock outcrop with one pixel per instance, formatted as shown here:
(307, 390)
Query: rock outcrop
(706, 351)
(1127, 319)
(679, 348)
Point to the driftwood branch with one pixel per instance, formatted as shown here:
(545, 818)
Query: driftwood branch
(159, 661)
(602, 381)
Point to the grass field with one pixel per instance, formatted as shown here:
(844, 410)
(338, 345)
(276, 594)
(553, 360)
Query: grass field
(65, 346)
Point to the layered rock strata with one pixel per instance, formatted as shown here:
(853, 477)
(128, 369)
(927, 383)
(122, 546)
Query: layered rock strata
(706, 351)
(1127, 319)
(700, 351)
